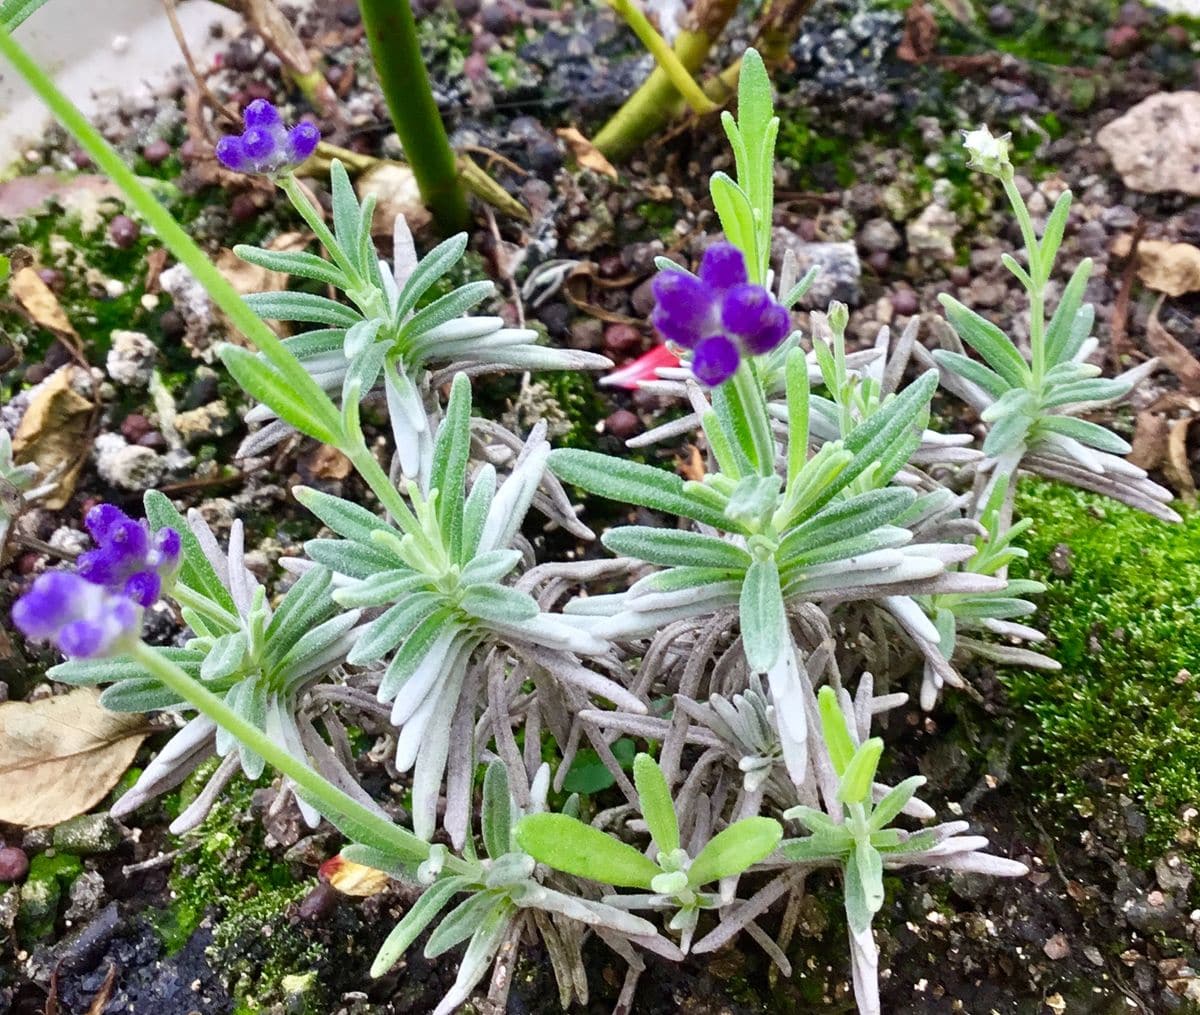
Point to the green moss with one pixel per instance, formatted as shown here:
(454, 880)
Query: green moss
(226, 870)
(50, 876)
(820, 159)
(1124, 622)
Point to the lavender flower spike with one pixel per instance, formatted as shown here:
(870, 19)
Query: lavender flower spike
(720, 314)
(266, 145)
(128, 559)
(82, 619)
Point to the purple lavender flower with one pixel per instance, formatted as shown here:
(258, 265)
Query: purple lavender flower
(84, 620)
(266, 145)
(719, 315)
(96, 610)
(128, 560)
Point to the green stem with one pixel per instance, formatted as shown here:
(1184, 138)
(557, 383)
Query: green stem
(377, 479)
(312, 218)
(653, 104)
(193, 600)
(396, 53)
(321, 793)
(172, 235)
(1038, 275)
(680, 77)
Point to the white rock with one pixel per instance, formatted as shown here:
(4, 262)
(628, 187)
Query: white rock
(131, 358)
(1156, 145)
(127, 466)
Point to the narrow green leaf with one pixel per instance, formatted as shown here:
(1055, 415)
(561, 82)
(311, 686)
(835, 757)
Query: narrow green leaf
(298, 263)
(1058, 333)
(734, 849)
(796, 374)
(631, 483)
(989, 341)
(432, 901)
(289, 306)
(654, 797)
(498, 603)
(568, 845)
(833, 726)
(675, 548)
(763, 616)
(497, 810)
(856, 782)
(310, 412)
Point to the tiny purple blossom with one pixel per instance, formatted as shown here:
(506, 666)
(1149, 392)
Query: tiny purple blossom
(715, 361)
(719, 314)
(267, 145)
(82, 619)
(127, 559)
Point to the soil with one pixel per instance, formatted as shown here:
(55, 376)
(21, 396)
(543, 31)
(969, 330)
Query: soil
(867, 138)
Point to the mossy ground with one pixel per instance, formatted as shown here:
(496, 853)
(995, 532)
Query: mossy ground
(1122, 610)
(226, 871)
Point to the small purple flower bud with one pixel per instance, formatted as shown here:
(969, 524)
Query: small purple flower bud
(143, 588)
(302, 141)
(723, 267)
(715, 360)
(100, 520)
(744, 309)
(260, 113)
(100, 566)
(776, 326)
(259, 144)
(683, 308)
(84, 620)
(168, 545)
(232, 153)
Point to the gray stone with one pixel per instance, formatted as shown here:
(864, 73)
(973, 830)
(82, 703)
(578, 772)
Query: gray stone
(131, 358)
(840, 269)
(931, 234)
(1156, 145)
(87, 834)
(125, 465)
(879, 235)
(87, 895)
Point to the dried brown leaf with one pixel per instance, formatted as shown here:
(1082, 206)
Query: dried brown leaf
(692, 466)
(53, 434)
(60, 756)
(39, 302)
(1149, 440)
(586, 153)
(1170, 268)
(1177, 466)
(919, 42)
(1173, 353)
(352, 878)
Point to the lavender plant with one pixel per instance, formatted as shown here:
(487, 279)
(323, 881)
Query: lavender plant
(727, 644)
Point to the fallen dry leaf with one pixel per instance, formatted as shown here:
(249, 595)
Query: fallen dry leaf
(919, 42)
(352, 878)
(586, 153)
(691, 467)
(1177, 466)
(39, 302)
(59, 756)
(53, 434)
(325, 462)
(1171, 268)
(1172, 352)
(1149, 440)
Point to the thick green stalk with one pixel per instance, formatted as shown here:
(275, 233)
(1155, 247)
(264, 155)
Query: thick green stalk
(172, 235)
(318, 791)
(664, 56)
(392, 36)
(650, 107)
